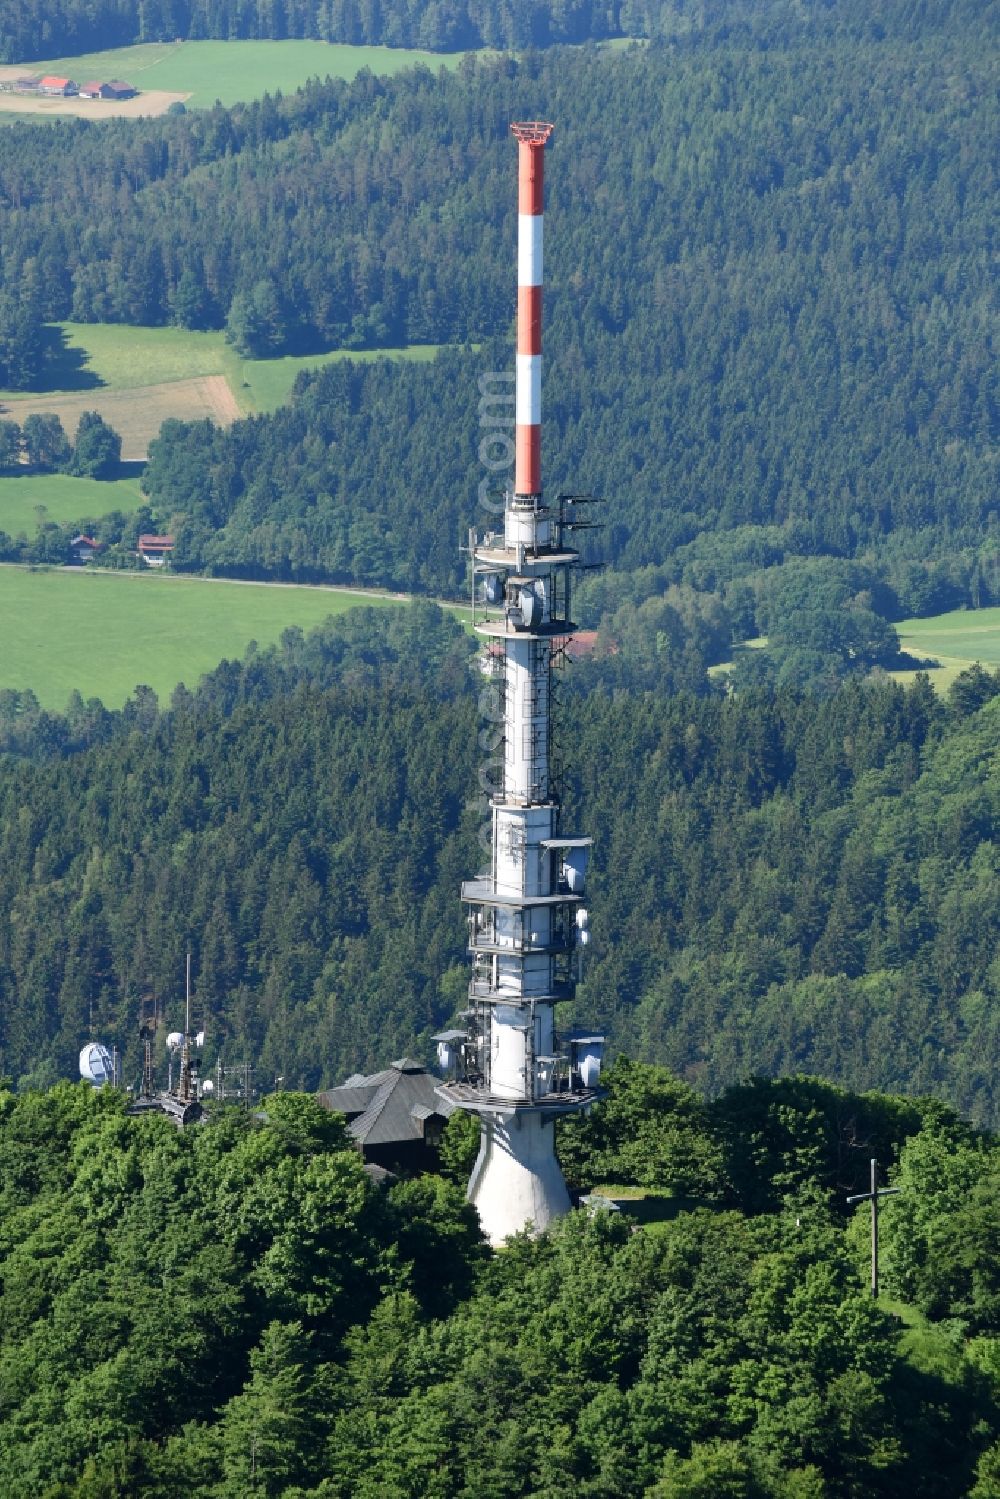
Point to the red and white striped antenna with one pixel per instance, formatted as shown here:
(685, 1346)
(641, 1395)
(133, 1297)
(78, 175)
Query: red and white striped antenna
(531, 137)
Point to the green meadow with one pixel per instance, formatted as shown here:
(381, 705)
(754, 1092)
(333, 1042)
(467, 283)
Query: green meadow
(943, 645)
(103, 633)
(953, 642)
(116, 356)
(266, 384)
(236, 72)
(32, 500)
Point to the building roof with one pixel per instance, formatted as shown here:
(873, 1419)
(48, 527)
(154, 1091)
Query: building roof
(583, 643)
(90, 88)
(84, 541)
(155, 543)
(120, 87)
(50, 81)
(349, 1101)
(388, 1107)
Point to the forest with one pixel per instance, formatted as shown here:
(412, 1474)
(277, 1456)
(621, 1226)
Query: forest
(768, 326)
(784, 881)
(238, 1310)
(73, 26)
(767, 315)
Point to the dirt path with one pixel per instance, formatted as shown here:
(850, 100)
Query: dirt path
(167, 577)
(137, 414)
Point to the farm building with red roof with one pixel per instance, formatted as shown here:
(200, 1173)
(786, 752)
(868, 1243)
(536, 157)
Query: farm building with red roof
(155, 550)
(57, 87)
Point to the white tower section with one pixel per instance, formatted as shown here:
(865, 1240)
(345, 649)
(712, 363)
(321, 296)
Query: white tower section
(527, 917)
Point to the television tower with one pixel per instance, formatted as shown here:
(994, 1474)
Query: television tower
(527, 923)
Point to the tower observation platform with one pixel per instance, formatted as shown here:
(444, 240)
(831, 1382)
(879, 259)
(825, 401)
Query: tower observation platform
(527, 919)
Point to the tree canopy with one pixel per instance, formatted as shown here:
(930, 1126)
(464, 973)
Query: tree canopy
(236, 1309)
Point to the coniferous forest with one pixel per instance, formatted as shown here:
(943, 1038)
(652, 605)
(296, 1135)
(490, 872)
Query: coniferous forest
(770, 314)
(784, 881)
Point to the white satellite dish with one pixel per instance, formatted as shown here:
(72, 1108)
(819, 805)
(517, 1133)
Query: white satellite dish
(175, 1040)
(207, 1087)
(575, 869)
(531, 601)
(96, 1065)
(199, 1040)
(445, 1055)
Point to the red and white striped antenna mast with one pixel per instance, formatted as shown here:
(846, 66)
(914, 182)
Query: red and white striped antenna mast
(531, 138)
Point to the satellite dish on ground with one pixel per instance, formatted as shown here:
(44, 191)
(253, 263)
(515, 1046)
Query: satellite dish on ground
(175, 1040)
(207, 1087)
(96, 1066)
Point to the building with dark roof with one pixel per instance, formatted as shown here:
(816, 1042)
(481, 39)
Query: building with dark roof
(394, 1116)
(114, 90)
(84, 548)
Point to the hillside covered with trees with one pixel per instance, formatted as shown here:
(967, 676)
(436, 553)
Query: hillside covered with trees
(782, 882)
(767, 309)
(768, 323)
(67, 26)
(237, 1309)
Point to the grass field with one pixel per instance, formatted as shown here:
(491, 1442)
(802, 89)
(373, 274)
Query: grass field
(29, 501)
(103, 633)
(723, 668)
(235, 72)
(138, 414)
(266, 384)
(114, 356)
(955, 641)
(948, 643)
(111, 368)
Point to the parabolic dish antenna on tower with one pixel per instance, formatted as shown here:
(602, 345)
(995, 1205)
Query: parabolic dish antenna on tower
(96, 1065)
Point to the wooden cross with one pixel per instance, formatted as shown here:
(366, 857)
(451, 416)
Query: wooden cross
(873, 1196)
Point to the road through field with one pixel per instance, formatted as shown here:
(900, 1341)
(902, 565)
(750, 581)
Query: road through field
(137, 414)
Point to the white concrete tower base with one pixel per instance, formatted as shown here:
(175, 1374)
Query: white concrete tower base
(516, 1182)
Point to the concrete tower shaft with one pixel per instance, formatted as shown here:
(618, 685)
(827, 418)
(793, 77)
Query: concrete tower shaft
(526, 914)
